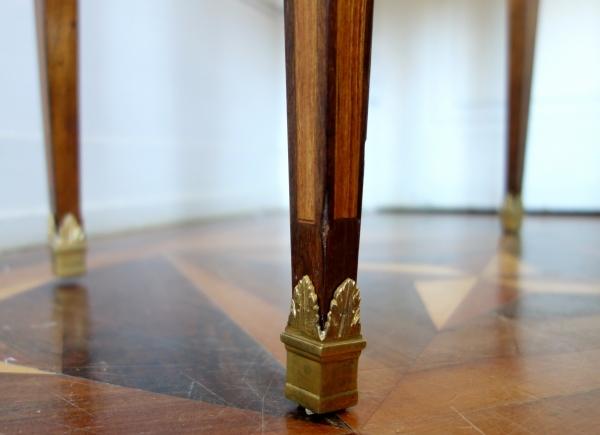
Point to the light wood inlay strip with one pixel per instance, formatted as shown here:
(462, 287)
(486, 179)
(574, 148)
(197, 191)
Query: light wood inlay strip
(349, 105)
(307, 104)
(11, 291)
(19, 369)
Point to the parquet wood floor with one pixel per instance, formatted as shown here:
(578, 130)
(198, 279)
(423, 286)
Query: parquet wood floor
(177, 331)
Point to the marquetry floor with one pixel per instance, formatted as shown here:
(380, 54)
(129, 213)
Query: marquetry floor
(177, 331)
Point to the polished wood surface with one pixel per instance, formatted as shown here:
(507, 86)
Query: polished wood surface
(328, 46)
(352, 46)
(177, 331)
(522, 19)
(57, 24)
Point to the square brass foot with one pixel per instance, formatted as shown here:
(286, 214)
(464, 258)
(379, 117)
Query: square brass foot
(67, 245)
(512, 214)
(321, 376)
(68, 261)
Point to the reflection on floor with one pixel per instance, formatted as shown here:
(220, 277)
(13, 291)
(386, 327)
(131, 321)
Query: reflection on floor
(177, 331)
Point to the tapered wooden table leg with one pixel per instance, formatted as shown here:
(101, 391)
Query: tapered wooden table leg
(328, 50)
(522, 29)
(57, 46)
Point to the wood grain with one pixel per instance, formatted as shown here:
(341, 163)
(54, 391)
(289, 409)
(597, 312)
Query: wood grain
(57, 45)
(350, 107)
(522, 29)
(514, 359)
(62, 404)
(328, 51)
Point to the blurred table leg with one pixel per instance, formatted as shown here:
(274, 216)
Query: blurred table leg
(328, 50)
(522, 29)
(57, 46)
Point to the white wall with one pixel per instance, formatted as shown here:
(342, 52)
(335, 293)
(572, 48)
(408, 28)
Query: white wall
(183, 110)
(23, 198)
(438, 106)
(563, 160)
(182, 114)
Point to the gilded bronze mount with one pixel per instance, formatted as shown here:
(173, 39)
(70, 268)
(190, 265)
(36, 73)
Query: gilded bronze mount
(512, 213)
(67, 245)
(322, 363)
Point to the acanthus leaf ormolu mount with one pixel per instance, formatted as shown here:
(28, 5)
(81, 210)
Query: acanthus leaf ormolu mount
(322, 363)
(343, 319)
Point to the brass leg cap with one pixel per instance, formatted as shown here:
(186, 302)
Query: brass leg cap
(322, 376)
(68, 245)
(512, 214)
(67, 262)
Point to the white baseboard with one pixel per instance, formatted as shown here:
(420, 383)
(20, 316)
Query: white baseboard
(27, 228)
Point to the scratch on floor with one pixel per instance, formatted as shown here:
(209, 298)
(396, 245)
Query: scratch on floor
(62, 398)
(467, 420)
(455, 397)
(153, 421)
(262, 414)
(259, 351)
(211, 392)
(191, 388)
(520, 426)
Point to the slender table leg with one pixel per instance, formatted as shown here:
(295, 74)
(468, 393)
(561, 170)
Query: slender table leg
(328, 51)
(522, 27)
(57, 47)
